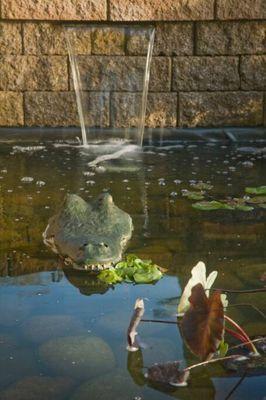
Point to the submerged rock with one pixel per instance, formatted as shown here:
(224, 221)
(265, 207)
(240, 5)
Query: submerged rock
(116, 385)
(12, 311)
(81, 357)
(36, 387)
(44, 327)
(15, 364)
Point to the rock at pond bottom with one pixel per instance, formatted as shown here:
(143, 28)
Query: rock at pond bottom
(116, 385)
(36, 387)
(80, 357)
(44, 327)
(15, 363)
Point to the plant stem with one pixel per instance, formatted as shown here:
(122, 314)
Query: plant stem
(236, 335)
(242, 333)
(160, 321)
(211, 361)
(239, 291)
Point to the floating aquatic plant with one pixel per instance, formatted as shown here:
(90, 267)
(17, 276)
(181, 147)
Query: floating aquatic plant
(132, 270)
(211, 205)
(256, 190)
(193, 195)
(201, 185)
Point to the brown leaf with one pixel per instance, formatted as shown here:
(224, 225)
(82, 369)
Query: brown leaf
(203, 324)
(168, 373)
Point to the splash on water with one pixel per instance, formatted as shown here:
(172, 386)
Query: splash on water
(107, 157)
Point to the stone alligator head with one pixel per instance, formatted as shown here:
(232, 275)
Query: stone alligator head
(90, 236)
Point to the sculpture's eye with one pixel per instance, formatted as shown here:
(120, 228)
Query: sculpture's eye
(103, 244)
(82, 247)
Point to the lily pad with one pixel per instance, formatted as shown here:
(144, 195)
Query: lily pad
(256, 190)
(243, 207)
(202, 186)
(239, 204)
(257, 200)
(211, 205)
(193, 195)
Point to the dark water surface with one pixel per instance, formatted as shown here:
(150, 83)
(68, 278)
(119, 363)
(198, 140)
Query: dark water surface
(62, 334)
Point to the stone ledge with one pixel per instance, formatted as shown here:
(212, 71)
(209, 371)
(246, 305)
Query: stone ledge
(157, 10)
(241, 9)
(230, 37)
(33, 73)
(205, 73)
(71, 10)
(253, 72)
(221, 109)
(11, 109)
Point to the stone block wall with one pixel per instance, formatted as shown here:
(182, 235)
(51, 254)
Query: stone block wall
(208, 67)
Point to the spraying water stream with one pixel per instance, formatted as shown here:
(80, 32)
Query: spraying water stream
(106, 77)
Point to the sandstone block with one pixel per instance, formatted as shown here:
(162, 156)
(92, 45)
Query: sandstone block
(221, 109)
(137, 41)
(10, 38)
(11, 109)
(59, 109)
(161, 110)
(253, 72)
(46, 38)
(230, 37)
(205, 73)
(86, 10)
(241, 9)
(156, 10)
(170, 39)
(123, 73)
(174, 39)
(108, 41)
(33, 73)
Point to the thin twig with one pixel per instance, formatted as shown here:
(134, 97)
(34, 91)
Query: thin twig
(239, 291)
(241, 331)
(236, 385)
(244, 343)
(211, 361)
(160, 321)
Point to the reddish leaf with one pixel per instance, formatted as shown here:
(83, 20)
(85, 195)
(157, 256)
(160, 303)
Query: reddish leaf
(203, 324)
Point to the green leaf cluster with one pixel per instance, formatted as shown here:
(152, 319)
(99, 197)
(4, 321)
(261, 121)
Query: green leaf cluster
(132, 270)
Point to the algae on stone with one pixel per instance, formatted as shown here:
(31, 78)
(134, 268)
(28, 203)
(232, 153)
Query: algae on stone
(81, 357)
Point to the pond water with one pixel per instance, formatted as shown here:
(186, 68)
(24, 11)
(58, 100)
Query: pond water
(62, 333)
